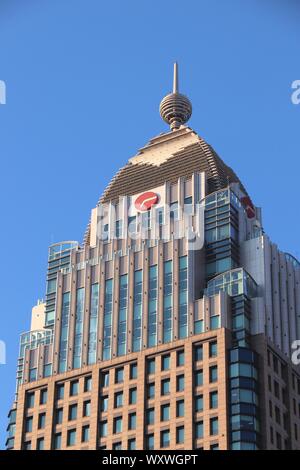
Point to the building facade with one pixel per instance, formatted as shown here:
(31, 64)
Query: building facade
(173, 325)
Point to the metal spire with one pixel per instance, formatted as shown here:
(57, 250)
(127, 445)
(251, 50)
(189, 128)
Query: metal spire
(175, 109)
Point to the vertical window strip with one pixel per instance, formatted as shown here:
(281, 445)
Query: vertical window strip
(168, 302)
(137, 311)
(77, 352)
(122, 318)
(93, 324)
(107, 326)
(152, 307)
(64, 332)
(183, 298)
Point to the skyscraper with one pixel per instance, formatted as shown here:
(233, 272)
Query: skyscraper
(174, 324)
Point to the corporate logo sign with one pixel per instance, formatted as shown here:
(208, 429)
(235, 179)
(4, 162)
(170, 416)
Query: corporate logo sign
(145, 201)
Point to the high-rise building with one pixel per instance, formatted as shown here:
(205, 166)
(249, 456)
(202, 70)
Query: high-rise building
(174, 324)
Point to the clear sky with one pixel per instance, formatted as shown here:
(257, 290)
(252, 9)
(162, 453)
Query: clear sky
(84, 80)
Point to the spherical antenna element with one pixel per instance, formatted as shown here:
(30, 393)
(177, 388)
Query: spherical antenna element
(175, 109)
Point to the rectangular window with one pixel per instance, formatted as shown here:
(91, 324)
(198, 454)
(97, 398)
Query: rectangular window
(199, 353)
(132, 396)
(168, 302)
(151, 366)
(180, 383)
(86, 408)
(85, 436)
(87, 384)
(150, 416)
(72, 412)
(180, 435)
(165, 362)
(199, 430)
(165, 386)
(103, 429)
(180, 409)
(105, 379)
(118, 424)
(180, 358)
(28, 424)
(165, 412)
(150, 441)
(64, 332)
(151, 390)
(131, 444)
(137, 310)
(60, 391)
(107, 319)
(133, 371)
(213, 349)
(152, 307)
(183, 295)
(59, 416)
(40, 443)
(71, 437)
(93, 324)
(104, 403)
(214, 426)
(199, 378)
(30, 399)
(213, 399)
(43, 396)
(74, 387)
(122, 317)
(165, 438)
(57, 441)
(132, 421)
(118, 399)
(199, 403)
(78, 335)
(213, 374)
(119, 375)
(42, 421)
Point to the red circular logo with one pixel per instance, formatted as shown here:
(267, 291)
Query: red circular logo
(145, 201)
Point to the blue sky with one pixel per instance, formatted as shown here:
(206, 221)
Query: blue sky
(84, 80)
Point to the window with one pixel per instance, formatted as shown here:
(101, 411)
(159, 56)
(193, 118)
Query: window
(57, 441)
(74, 386)
(214, 426)
(43, 396)
(28, 424)
(165, 386)
(150, 442)
(199, 353)
(213, 399)
(86, 408)
(131, 444)
(180, 408)
(118, 424)
(118, 399)
(165, 362)
(180, 358)
(132, 396)
(42, 421)
(85, 436)
(199, 430)
(119, 375)
(47, 371)
(117, 446)
(30, 400)
(214, 447)
(199, 378)
(276, 389)
(180, 435)
(213, 349)
(213, 374)
(71, 437)
(72, 412)
(60, 392)
(151, 366)
(104, 404)
(87, 384)
(27, 445)
(132, 421)
(165, 412)
(151, 390)
(165, 438)
(215, 322)
(180, 383)
(133, 371)
(59, 416)
(105, 379)
(103, 428)
(40, 443)
(199, 403)
(150, 416)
